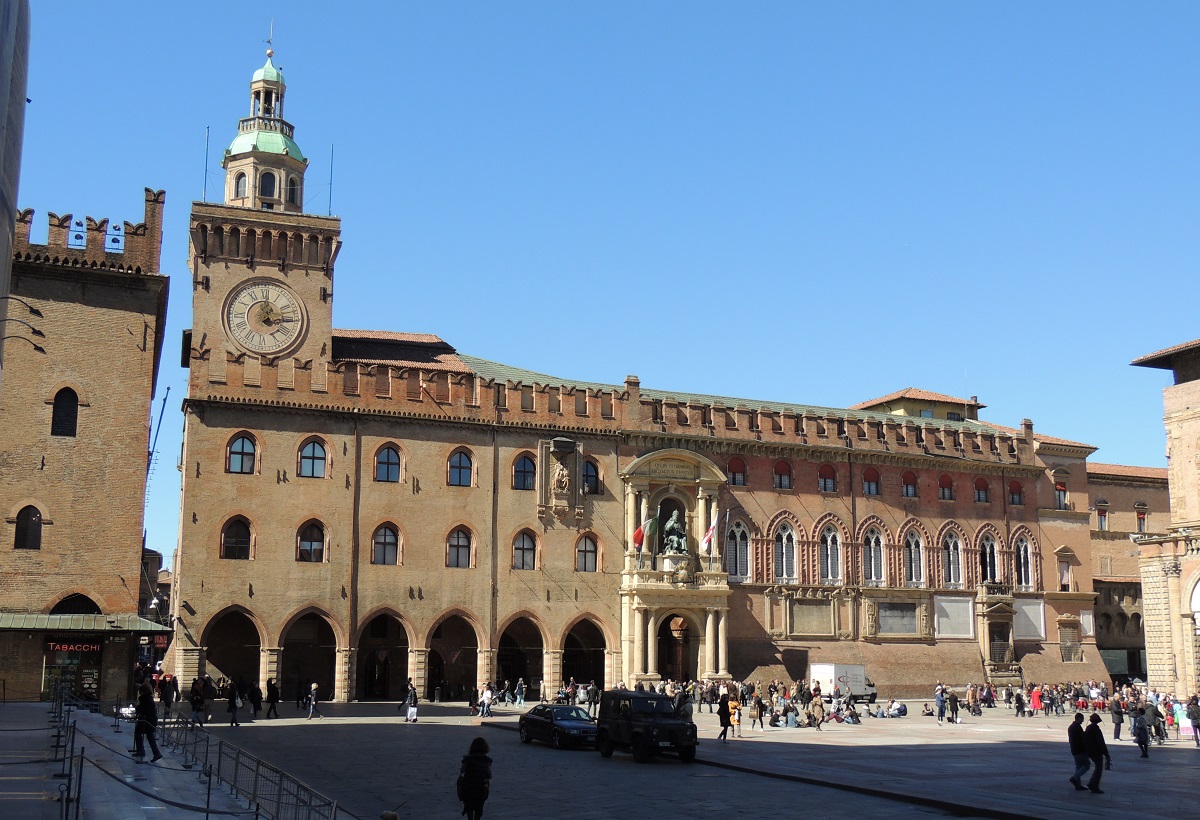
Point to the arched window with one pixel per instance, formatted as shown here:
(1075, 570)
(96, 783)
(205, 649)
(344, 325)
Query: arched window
(737, 472)
(312, 460)
(29, 529)
(951, 561)
(737, 551)
(591, 478)
(827, 479)
(235, 541)
(873, 558)
(1023, 564)
(783, 475)
(266, 185)
(989, 568)
(458, 549)
(982, 494)
(870, 481)
(239, 186)
(293, 195)
(460, 470)
(387, 465)
(914, 575)
(910, 485)
(946, 488)
(311, 548)
(385, 546)
(64, 421)
(241, 456)
(524, 551)
(785, 553)
(830, 548)
(586, 554)
(524, 474)
(1016, 493)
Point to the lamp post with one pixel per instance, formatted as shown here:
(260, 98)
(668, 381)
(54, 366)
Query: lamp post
(32, 329)
(38, 348)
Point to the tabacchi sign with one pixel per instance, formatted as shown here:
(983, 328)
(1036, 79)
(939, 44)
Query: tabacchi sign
(59, 646)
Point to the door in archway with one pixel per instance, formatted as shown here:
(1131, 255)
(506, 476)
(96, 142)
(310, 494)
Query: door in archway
(677, 649)
(309, 656)
(232, 642)
(583, 654)
(382, 660)
(454, 640)
(520, 656)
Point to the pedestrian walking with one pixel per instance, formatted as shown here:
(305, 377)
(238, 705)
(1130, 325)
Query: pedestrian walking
(255, 696)
(474, 779)
(952, 703)
(312, 702)
(272, 698)
(818, 710)
(147, 719)
(723, 717)
(735, 715)
(1193, 715)
(939, 700)
(210, 697)
(1118, 717)
(1141, 732)
(1078, 751)
(235, 703)
(1097, 752)
(410, 701)
(520, 692)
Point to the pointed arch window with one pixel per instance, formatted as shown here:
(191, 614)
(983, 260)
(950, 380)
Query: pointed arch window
(737, 551)
(524, 474)
(64, 421)
(829, 545)
(241, 456)
(385, 546)
(524, 552)
(951, 561)
(239, 186)
(235, 541)
(989, 567)
(1023, 564)
(387, 465)
(873, 558)
(311, 546)
(914, 575)
(586, 554)
(785, 553)
(312, 460)
(29, 529)
(591, 478)
(458, 549)
(460, 470)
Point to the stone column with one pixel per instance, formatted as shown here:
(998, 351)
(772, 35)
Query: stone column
(710, 643)
(723, 644)
(718, 536)
(418, 670)
(1173, 572)
(484, 660)
(268, 665)
(651, 646)
(343, 675)
(639, 637)
(631, 520)
(551, 672)
(702, 515)
(189, 663)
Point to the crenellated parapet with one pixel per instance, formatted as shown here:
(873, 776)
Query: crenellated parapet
(90, 243)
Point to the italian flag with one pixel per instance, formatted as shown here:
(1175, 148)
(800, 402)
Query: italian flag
(644, 532)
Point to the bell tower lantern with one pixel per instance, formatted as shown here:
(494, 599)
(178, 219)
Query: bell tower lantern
(264, 168)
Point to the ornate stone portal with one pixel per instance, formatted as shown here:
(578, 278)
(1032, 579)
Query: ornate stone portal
(674, 590)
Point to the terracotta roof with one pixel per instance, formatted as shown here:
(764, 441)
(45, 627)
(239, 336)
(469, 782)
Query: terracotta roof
(389, 336)
(1162, 358)
(918, 395)
(1127, 471)
(1044, 438)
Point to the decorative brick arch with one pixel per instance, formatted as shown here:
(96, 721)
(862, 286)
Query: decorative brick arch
(339, 631)
(873, 521)
(529, 616)
(596, 621)
(206, 631)
(896, 551)
(831, 518)
(76, 590)
(384, 609)
(450, 612)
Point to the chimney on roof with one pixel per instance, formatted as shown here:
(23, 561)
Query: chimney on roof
(1027, 430)
(974, 399)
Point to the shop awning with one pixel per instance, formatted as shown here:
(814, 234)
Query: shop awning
(79, 623)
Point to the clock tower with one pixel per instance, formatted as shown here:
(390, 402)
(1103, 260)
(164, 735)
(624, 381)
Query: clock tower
(262, 269)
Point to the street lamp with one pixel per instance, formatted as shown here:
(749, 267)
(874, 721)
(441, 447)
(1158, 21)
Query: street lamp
(36, 347)
(32, 329)
(32, 310)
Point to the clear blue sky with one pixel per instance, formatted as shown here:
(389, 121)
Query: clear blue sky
(785, 201)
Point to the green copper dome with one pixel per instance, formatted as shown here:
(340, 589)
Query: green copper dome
(268, 72)
(268, 142)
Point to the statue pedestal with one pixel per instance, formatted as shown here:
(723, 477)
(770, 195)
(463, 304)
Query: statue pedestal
(671, 563)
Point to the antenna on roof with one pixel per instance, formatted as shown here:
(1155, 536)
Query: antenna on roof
(330, 180)
(204, 187)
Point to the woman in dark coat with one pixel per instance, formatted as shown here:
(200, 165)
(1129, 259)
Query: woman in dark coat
(1118, 717)
(474, 779)
(232, 693)
(723, 716)
(272, 698)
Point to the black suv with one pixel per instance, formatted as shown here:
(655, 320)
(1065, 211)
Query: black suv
(645, 723)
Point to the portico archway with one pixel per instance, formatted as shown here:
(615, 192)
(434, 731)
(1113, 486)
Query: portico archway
(678, 648)
(382, 659)
(520, 654)
(583, 654)
(452, 659)
(309, 656)
(232, 642)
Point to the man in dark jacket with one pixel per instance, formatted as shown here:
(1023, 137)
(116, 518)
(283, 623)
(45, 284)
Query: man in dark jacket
(147, 719)
(1078, 751)
(1097, 752)
(1193, 714)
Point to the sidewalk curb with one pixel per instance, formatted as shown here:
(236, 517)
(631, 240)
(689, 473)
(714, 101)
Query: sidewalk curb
(959, 809)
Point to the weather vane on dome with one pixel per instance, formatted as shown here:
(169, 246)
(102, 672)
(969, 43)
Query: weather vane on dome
(270, 39)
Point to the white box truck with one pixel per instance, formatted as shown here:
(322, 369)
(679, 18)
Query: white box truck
(851, 679)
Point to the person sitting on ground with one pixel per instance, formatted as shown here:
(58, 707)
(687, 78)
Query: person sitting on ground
(926, 711)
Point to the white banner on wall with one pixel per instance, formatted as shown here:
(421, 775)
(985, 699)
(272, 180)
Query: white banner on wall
(953, 617)
(1029, 620)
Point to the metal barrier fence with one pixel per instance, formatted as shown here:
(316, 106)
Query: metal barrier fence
(276, 794)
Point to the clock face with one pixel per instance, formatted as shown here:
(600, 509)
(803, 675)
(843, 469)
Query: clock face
(262, 316)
